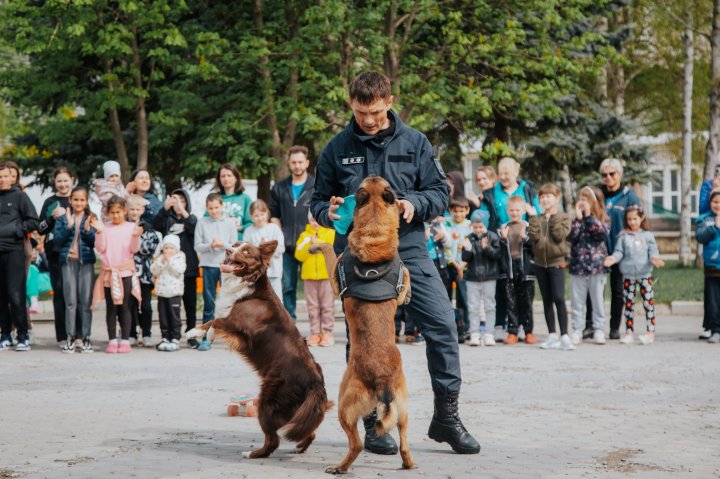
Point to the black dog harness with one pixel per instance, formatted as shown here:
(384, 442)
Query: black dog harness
(369, 281)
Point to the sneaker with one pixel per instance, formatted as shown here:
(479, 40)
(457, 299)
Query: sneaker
(327, 339)
(193, 343)
(614, 334)
(419, 340)
(124, 346)
(499, 334)
(132, 341)
(314, 340)
(61, 344)
(714, 339)
(487, 339)
(551, 342)
(112, 346)
(474, 339)
(162, 345)
(204, 345)
(629, 338)
(511, 339)
(521, 334)
(148, 342)
(173, 345)
(577, 337)
(23, 345)
(86, 346)
(705, 334)
(69, 346)
(566, 343)
(587, 333)
(530, 338)
(646, 339)
(5, 345)
(599, 336)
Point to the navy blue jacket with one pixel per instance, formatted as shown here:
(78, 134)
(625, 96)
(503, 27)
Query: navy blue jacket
(63, 238)
(615, 207)
(406, 159)
(17, 218)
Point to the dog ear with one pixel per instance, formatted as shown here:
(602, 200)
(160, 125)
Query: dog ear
(362, 197)
(388, 195)
(267, 250)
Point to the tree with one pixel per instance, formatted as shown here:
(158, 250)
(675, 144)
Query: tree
(712, 152)
(685, 251)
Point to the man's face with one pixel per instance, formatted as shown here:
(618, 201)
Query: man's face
(515, 211)
(459, 213)
(298, 164)
(214, 209)
(5, 179)
(372, 118)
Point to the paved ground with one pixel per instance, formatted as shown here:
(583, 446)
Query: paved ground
(600, 411)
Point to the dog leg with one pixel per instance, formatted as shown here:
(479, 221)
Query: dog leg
(304, 444)
(272, 441)
(401, 401)
(354, 402)
(199, 332)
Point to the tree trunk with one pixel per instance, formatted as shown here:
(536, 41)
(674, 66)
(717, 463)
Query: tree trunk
(391, 58)
(140, 113)
(566, 187)
(711, 151)
(263, 187)
(686, 168)
(601, 82)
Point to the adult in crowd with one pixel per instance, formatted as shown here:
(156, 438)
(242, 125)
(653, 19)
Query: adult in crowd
(456, 182)
(289, 205)
(485, 179)
(236, 203)
(618, 197)
(141, 184)
(17, 219)
(509, 184)
(706, 189)
(377, 142)
(52, 208)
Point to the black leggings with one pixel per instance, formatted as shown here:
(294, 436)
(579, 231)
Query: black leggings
(119, 312)
(142, 313)
(189, 300)
(552, 289)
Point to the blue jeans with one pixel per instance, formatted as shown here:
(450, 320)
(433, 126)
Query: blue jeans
(289, 282)
(211, 278)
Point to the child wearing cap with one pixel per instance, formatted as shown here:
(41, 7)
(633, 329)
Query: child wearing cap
(481, 251)
(169, 269)
(109, 185)
(548, 233)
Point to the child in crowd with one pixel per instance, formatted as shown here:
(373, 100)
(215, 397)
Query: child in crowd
(548, 233)
(435, 234)
(412, 335)
(481, 251)
(262, 231)
(588, 250)
(169, 269)
(318, 289)
(149, 242)
(109, 185)
(117, 242)
(458, 228)
(74, 237)
(520, 284)
(637, 253)
(213, 235)
(38, 279)
(175, 218)
(708, 234)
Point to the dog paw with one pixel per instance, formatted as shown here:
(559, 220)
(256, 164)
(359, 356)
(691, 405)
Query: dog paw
(409, 465)
(335, 470)
(194, 333)
(246, 454)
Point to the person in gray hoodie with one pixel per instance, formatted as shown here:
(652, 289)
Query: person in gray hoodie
(637, 253)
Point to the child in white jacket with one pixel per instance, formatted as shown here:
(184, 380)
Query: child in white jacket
(169, 270)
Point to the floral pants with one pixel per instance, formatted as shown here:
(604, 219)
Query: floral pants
(646, 292)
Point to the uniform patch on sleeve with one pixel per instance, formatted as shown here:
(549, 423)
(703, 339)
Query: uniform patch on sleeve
(353, 160)
(439, 168)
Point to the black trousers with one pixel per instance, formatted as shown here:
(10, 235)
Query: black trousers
(58, 300)
(13, 295)
(501, 303)
(169, 313)
(519, 294)
(712, 303)
(189, 300)
(401, 316)
(552, 289)
(142, 313)
(119, 313)
(617, 300)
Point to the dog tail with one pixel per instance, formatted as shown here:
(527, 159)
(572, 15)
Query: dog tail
(387, 412)
(330, 260)
(309, 415)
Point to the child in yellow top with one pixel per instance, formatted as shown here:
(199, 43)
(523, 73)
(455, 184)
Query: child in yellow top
(318, 290)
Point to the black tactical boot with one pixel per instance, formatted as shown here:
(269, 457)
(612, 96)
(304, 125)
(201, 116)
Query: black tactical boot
(447, 427)
(378, 445)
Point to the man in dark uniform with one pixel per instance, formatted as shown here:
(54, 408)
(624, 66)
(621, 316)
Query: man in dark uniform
(377, 142)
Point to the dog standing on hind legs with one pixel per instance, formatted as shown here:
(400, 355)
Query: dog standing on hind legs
(377, 282)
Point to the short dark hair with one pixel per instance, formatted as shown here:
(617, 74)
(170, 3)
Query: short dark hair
(213, 197)
(297, 149)
(239, 188)
(369, 87)
(115, 200)
(458, 202)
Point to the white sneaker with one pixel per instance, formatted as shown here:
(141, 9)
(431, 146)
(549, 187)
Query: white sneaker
(705, 334)
(599, 336)
(163, 345)
(566, 344)
(487, 339)
(521, 333)
(500, 334)
(646, 339)
(577, 337)
(474, 339)
(133, 341)
(551, 342)
(6, 345)
(629, 338)
(148, 342)
(714, 339)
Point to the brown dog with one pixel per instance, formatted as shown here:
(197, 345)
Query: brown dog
(374, 376)
(292, 393)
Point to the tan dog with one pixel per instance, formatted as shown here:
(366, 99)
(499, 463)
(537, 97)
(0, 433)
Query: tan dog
(374, 376)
